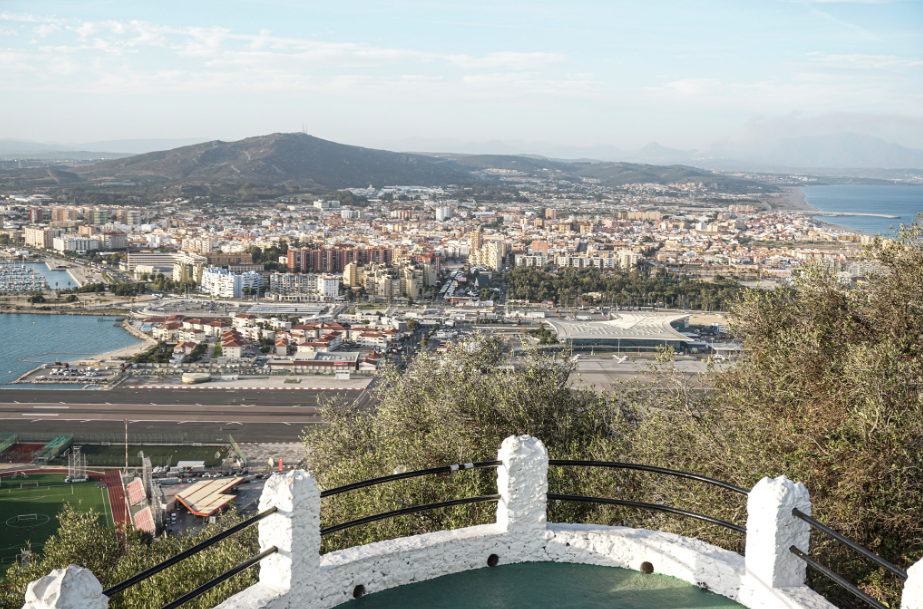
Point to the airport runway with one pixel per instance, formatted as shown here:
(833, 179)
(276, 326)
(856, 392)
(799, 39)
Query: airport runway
(146, 397)
(250, 415)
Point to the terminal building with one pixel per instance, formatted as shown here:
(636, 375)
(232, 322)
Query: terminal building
(634, 331)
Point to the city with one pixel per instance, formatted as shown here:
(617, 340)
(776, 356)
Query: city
(450, 306)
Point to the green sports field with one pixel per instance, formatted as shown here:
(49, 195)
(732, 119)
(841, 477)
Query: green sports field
(28, 514)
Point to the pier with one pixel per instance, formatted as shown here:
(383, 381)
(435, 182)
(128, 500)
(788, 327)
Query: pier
(834, 214)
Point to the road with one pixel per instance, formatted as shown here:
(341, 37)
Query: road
(251, 415)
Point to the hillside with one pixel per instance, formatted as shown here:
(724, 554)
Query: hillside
(616, 174)
(279, 158)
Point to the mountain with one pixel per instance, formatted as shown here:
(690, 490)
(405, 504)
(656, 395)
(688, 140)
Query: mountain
(280, 158)
(24, 147)
(655, 153)
(140, 146)
(86, 151)
(840, 150)
(616, 174)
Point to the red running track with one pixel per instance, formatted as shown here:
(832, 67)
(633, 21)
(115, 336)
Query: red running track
(110, 478)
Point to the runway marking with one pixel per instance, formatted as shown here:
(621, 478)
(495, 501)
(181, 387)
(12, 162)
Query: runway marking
(51, 406)
(39, 414)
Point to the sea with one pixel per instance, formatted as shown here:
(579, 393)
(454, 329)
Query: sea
(903, 201)
(27, 340)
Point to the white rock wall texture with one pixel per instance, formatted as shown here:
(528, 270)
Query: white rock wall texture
(912, 597)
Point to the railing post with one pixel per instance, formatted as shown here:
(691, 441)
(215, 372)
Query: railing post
(295, 530)
(771, 531)
(522, 481)
(912, 597)
(70, 588)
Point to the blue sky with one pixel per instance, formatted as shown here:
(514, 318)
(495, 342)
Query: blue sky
(396, 74)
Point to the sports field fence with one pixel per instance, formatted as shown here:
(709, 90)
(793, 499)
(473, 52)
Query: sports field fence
(116, 438)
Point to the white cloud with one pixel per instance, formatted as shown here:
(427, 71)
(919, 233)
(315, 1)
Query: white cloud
(507, 61)
(19, 17)
(114, 56)
(866, 61)
(46, 29)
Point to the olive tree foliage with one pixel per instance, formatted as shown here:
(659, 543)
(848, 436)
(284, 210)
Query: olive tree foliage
(82, 540)
(829, 393)
(457, 408)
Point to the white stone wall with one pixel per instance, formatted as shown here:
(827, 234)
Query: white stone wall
(298, 577)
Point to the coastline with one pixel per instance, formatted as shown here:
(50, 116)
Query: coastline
(796, 201)
(146, 343)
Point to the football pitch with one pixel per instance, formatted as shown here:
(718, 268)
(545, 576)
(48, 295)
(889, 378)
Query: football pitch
(29, 513)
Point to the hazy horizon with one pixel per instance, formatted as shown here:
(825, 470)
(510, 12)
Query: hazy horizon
(385, 75)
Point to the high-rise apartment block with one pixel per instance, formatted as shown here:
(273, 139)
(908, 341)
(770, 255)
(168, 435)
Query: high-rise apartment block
(42, 238)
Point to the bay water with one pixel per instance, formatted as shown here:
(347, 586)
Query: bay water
(902, 201)
(27, 340)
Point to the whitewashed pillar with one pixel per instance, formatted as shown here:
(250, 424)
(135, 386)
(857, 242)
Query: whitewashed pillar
(522, 481)
(912, 597)
(70, 588)
(771, 531)
(295, 530)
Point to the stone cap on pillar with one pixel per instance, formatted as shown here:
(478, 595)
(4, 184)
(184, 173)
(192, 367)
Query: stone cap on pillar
(70, 588)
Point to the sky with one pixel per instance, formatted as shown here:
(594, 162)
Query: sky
(401, 75)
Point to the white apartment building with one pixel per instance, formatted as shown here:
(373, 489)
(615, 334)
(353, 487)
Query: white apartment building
(443, 213)
(489, 256)
(78, 245)
(224, 284)
(628, 259)
(40, 237)
(202, 245)
(532, 260)
(304, 286)
(328, 286)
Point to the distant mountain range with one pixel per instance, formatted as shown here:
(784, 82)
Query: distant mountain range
(295, 161)
(278, 158)
(88, 150)
(816, 154)
(823, 152)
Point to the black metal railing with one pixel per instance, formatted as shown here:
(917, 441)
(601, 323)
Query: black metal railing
(221, 578)
(408, 510)
(850, 544)
(147, 573)
(651, 469)
(444, 469)
(650, 506)
(838, 579)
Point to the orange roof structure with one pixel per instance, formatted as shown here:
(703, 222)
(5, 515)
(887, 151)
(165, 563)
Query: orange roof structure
(207, 497)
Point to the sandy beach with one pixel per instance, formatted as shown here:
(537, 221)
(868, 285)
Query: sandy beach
(126, 352)
(792, 199)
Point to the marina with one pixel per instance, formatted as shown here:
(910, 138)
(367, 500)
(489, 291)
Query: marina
(20, 278)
